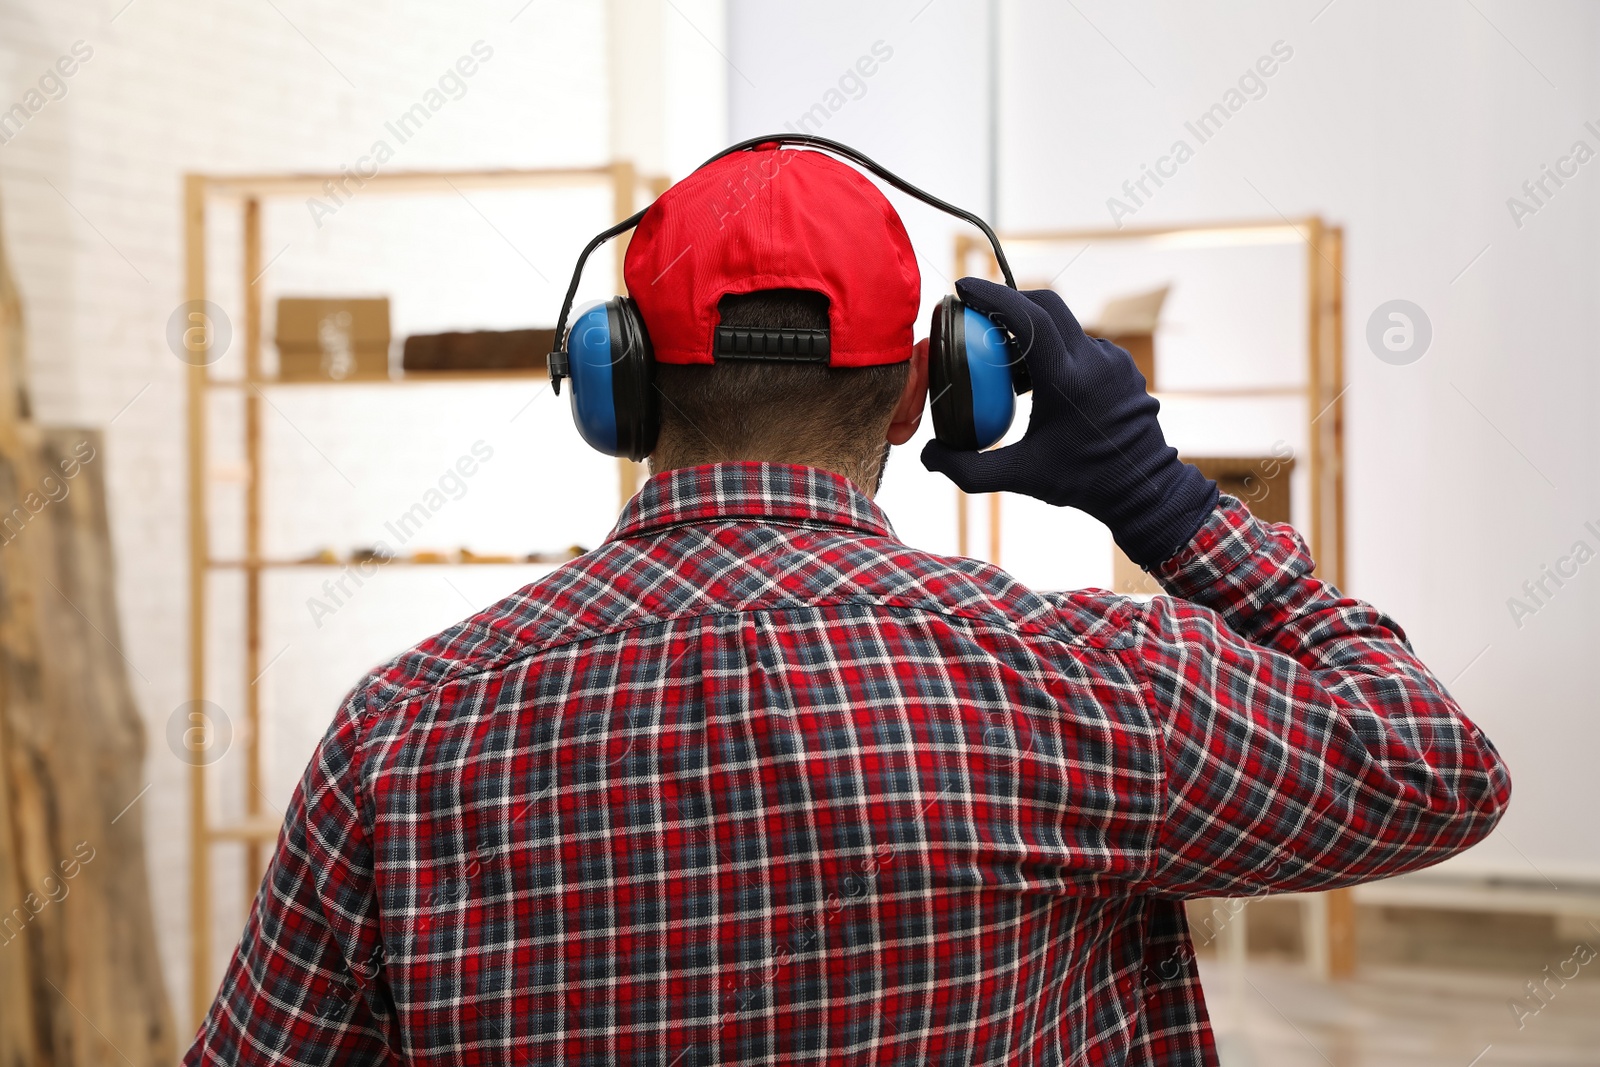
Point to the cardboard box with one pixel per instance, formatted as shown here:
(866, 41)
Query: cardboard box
(333, 340)
(487, 350)
(1142, 347)
(1130, 322)
(1262, 482)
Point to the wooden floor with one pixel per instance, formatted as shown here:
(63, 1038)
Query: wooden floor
(1396, 1015)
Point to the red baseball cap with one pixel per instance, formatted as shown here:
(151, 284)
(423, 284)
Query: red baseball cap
(775, 218)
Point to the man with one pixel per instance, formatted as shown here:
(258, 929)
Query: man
(755, 782)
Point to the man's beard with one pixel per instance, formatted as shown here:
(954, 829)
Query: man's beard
(883, 461)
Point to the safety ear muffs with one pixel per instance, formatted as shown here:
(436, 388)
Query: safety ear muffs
(974, 376)
(974, 372)
(612, 368)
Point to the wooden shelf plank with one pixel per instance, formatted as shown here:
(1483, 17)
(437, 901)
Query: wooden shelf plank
(270, 185)
(1264, 392)
(1198, 235)
(1409, 891)
(277, 564)
(412, 378)
(482, 377)
(248, 831)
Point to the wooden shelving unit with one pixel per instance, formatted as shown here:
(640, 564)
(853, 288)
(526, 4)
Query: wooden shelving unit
(204, 194)
(1329, 925)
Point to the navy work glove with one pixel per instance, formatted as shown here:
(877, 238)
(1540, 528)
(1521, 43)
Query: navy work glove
(1093, 442)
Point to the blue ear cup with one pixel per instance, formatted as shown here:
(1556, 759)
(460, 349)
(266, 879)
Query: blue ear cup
(974, 375)
(612, 368)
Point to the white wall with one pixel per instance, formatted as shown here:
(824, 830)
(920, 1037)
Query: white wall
(1411, 125)
(91, 189)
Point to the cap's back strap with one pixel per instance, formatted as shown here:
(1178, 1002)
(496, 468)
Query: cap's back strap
(787, 346)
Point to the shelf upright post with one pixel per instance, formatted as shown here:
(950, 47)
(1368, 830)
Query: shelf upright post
(255, 865)
(1324, 397)
(1332, 916)
(194, 233)
(624, 180)
(994, 528)
(1317, 925)
(1315, 398)
(1327, 436)
(1335, 414)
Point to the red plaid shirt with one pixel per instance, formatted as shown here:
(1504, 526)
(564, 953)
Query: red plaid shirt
(754, 782)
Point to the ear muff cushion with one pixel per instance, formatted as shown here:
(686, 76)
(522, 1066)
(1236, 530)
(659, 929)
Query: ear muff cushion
(969, 377)
(633, 392)
(949, 386)
(613, 380)
(589, 362)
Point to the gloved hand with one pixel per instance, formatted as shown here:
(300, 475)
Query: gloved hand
(1093, 442)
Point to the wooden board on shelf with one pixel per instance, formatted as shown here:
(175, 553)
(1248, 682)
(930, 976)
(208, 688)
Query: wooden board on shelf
(471, 351)
(421, 377)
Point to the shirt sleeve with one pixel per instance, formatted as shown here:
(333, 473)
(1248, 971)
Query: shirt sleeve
(306, 984)
(1306, 746)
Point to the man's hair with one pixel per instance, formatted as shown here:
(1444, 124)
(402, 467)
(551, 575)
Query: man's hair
(807, 413)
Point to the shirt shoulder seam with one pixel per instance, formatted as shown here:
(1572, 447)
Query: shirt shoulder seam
(405, 694)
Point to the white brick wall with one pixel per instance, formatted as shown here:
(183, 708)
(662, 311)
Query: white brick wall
(91, 191)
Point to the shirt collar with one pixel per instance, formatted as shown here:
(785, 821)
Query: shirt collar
(751, 492)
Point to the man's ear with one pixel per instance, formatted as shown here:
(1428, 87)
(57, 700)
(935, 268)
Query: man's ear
(913, 398)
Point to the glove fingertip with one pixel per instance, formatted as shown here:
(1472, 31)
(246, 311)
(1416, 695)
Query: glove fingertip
(952, 463)
(1052, 303)
(980, 294)
(971, 285)
(972, 472)
(936, 456)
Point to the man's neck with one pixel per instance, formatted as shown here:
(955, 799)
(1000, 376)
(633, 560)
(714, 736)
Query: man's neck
(866, 480)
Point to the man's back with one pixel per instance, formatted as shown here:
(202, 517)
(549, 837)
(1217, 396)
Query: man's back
(755, 782)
